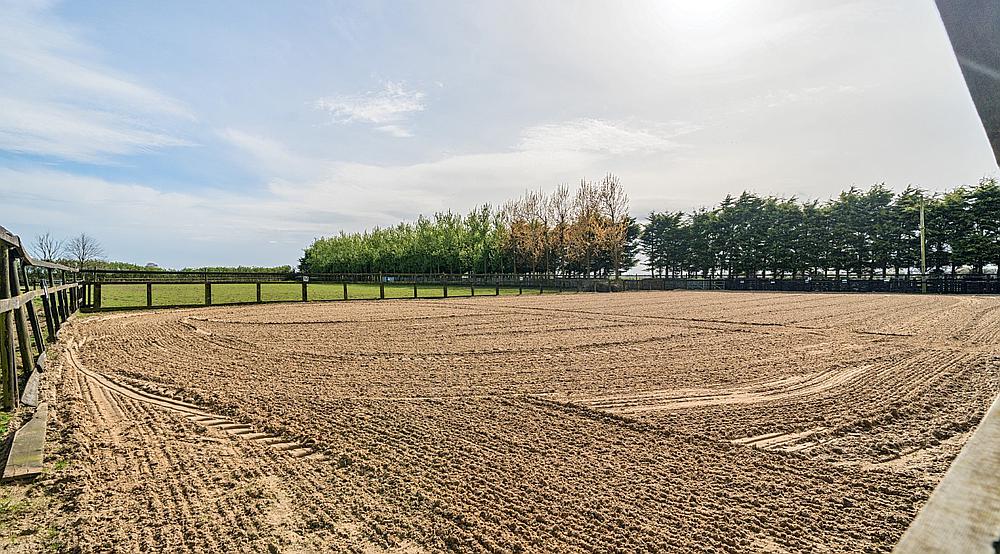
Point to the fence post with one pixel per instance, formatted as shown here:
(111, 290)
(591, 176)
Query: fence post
(345, 290)
(305, 290)
(60, 308)
(444, 284)
(497, 283)
(381, 287)
(20, 321)
(47, 311)
(97, 296)
(258, 291)
(414, 286)
(36, 329)
(7, 364)
(54, 306)
(208, 294)
(149, 295)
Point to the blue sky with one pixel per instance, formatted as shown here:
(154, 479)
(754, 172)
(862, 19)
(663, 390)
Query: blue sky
(192, 133)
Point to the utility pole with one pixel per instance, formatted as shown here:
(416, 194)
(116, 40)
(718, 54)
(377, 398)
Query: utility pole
(923, 251)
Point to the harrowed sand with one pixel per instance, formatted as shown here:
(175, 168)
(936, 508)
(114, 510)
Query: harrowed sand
(648, 421)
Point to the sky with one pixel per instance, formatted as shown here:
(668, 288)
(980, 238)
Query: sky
(235, 132)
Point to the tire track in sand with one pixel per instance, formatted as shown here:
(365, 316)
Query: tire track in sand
(192, 412)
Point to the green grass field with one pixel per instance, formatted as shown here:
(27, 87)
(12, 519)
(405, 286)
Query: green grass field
(125, 296)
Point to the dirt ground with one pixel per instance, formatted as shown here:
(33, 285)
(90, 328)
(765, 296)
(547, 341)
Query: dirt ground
(649, 421)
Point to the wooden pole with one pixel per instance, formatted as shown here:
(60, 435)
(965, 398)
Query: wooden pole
(258, 291)
(63, 306)
(923, 252)
(149, 295)
(21, 321)
(97, 296)
(36, 328)
(8, 369)
(305, 291)
(345, 290)
(50, 325)
(381, 287)
(208, 294)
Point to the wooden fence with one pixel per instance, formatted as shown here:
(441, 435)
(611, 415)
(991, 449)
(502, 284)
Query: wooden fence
(146, 286)
(143, 286)
(25, 282)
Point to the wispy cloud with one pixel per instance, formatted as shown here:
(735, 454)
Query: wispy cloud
(394, 130)
(58, 103)
(595, 135)
(270, 156)
(385, 108)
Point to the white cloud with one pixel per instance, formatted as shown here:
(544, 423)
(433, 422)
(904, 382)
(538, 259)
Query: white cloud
(73, 133)
(595, 135)
(57, 103)
(385, 108)
(271, 156)
(395, 131)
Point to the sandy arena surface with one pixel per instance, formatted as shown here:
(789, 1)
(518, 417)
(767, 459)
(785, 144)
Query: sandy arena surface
(650, 421)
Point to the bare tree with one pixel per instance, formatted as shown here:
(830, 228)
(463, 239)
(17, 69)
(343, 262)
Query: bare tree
(561, 208)
(84, 248)
(48, 248)
(585, 228)
(614, 204)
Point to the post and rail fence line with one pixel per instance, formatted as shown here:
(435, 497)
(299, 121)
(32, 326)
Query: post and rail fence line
(25, 282)
(373, 286)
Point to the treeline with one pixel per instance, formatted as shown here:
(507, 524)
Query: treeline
(585, 230)
(240, 269)
(866, 233)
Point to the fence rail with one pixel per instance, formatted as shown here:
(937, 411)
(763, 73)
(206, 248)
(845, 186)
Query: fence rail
(22, 341)
(121, 289)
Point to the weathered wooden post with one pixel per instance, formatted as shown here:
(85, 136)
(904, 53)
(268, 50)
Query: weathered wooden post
(53, 300)
(47, 311)
(8, 369)
(20, 320)
(208, 294)
(305, 288)
(345, 290)
(97, 296)
(496, 279)
(258, 291)
(444, 285)
(57, 304)
(381, 287)
(414, 286)
(149, 295)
